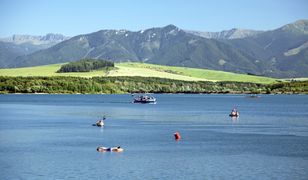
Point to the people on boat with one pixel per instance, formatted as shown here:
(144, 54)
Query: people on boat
(253, 96)
(109, 149)
(234, 113)
(177, 136)
(144, 99)
(100, 123)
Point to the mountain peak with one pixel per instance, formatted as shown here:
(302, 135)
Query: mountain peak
(301, 22)
(171, 27)
(53, 37)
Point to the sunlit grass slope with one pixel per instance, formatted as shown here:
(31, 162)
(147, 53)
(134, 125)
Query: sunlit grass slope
(144, 70)
(210, 75)
(47, 70)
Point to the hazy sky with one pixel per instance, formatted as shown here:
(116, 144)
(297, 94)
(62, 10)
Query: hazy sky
(73, 17)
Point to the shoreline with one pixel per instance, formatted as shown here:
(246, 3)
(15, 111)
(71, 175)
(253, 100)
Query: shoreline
(214, 93)
(129, 85)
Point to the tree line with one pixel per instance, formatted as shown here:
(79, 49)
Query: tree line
(116, 85)
(85, 65)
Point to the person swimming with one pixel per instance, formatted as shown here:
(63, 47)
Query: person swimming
(234, 113)
(109, 149)
(117, 149)
(99, 123)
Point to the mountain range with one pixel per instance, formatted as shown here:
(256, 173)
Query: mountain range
(18, 45)
(282, 52)
(48, 40)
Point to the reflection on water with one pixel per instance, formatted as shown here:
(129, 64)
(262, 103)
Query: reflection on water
(51, 137)
(234, 119)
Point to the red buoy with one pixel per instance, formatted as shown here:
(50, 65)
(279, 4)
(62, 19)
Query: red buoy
(177, 136)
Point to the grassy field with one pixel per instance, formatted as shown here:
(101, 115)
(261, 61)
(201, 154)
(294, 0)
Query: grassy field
(144, 70)
(47, 70)
(209, 75)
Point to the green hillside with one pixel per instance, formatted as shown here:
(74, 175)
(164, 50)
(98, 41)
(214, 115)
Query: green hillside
(209, 75)
(143, 70)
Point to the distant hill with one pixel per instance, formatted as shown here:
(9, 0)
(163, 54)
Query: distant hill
(10, 51)
(277, 53)
(20, 45)
(48, 40)
(283, 50)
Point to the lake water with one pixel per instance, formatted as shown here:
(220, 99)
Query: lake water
(52, 137)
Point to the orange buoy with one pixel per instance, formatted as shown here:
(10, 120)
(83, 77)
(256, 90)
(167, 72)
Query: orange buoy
(177, 136)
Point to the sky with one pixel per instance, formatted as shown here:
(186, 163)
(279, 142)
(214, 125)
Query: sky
(74, 17)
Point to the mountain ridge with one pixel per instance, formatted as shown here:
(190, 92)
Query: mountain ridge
(168, 45)
(50, 38)
(21, 45)
(256, 52)
(234, 33)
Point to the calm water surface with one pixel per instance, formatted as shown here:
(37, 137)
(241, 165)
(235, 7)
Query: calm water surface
(52, 137)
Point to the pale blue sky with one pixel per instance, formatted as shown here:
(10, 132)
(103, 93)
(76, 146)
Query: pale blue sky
(73, 17)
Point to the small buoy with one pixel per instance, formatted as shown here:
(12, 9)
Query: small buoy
(177, 136)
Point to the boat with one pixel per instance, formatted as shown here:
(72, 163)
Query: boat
(234, 113)
(144, 99)
(253, 96)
